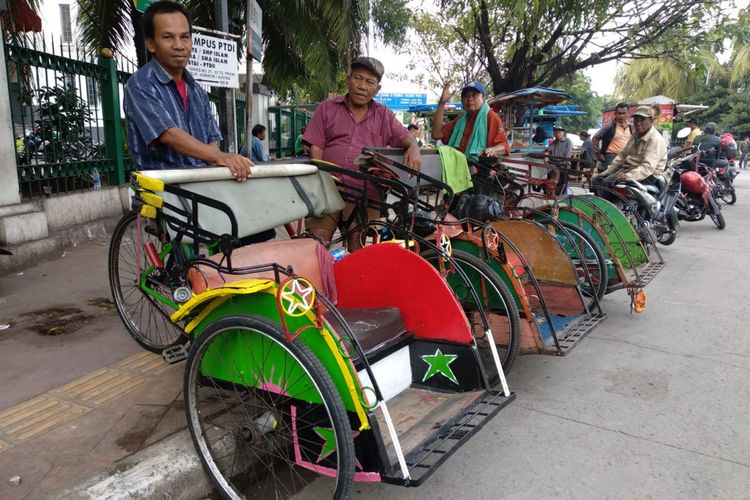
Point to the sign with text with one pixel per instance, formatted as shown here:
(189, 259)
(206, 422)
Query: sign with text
(214, 61)
(256, 26)
(401, 102)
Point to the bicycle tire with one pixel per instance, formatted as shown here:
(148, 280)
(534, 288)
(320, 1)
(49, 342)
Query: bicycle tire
(145, 319)
(258, 424)
(597, 271)
(471, 264)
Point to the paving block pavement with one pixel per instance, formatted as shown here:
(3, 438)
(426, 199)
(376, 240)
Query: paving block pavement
(80, 398)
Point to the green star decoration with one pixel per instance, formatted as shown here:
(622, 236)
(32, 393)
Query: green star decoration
(329, 441)
(440, 363)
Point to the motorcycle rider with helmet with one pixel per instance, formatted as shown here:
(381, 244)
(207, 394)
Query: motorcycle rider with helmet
(709, 144)
(643, 157)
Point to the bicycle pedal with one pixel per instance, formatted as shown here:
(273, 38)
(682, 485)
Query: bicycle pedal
(174, 354)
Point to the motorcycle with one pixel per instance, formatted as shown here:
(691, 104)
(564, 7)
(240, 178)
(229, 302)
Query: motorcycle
(697, 198)
(726, 171)
(656, 203)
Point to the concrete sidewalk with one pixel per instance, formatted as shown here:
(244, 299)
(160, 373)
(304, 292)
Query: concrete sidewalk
(79, 395)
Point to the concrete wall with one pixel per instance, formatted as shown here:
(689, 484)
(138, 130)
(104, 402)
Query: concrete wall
(8, 175)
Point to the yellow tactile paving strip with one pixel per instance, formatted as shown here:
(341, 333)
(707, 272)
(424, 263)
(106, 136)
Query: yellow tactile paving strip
(100, 386)
(63, 404)
(37, 416)
(146, 364)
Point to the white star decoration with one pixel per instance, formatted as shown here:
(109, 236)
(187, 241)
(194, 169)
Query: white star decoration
(297, 296)
(445, 244)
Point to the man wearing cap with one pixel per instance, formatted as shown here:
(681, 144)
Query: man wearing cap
(644, 156)
(609, 140)
(341, 127)
(694, 133)
(479, 131)
(559, 152)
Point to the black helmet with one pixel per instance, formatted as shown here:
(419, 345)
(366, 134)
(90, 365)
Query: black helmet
(710, 128)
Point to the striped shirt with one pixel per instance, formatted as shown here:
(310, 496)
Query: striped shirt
(152, 105)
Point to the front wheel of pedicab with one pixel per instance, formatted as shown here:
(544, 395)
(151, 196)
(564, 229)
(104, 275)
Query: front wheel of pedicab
(264, 415)
(579, 244)
(144, 316)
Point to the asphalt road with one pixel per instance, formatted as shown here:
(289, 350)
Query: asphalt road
(654, 405)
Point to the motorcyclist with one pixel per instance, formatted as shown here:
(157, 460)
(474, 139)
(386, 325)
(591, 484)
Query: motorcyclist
(643, 157)
(709, 144)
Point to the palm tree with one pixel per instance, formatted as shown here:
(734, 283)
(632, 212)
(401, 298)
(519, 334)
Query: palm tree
(677, 77)
(306, 42)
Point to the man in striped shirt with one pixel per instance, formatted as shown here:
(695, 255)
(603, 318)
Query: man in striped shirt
(168, 117)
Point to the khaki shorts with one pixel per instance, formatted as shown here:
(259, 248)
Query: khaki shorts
(331, 222)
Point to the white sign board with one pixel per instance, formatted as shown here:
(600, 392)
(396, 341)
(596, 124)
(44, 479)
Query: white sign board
(214, 61)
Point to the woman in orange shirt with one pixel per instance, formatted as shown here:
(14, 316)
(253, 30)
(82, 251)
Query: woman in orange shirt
(489, 138)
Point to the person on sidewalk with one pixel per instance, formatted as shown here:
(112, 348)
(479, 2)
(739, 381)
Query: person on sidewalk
(342, 127)
(642, 158)
(558, 153)
(479, 131)
(695, 131)
(744, 147)
(258, 151)
(609, 140)
(167, 114)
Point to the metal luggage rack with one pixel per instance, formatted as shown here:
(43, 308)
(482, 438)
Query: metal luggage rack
(426, 458)
(574, 333)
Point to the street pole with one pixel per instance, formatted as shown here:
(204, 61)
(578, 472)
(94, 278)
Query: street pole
(227, 110)
(249, 76)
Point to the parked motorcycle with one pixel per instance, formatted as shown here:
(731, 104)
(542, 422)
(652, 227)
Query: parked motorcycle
(656, 203)
(697, 199)
(726, 171)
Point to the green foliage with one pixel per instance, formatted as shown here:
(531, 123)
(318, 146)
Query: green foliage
(522, 43)
(579, 87)
(105, 23)
(391, 19)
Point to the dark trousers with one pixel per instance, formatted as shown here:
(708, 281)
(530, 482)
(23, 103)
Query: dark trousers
(608, 157)
(603, 186)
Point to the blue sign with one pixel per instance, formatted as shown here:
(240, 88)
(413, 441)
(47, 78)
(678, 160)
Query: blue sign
(401, 102)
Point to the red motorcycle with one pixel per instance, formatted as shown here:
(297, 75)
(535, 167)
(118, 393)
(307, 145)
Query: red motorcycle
(697, 197)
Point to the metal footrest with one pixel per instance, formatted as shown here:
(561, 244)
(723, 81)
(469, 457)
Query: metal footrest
(647, 273)
(574, 332)
(175, 354)
(427, 457)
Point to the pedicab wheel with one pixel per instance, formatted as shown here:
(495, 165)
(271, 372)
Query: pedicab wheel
(264, 414)
(145, 318)
(593, 257)
(497, 300)
(716, 214)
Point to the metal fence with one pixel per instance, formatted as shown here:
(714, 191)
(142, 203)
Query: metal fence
(66, 107)
(285, 124)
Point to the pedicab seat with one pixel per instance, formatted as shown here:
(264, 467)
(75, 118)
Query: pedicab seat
(377, 330)
(273, 195)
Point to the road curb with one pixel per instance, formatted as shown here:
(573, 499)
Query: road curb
(169, 469)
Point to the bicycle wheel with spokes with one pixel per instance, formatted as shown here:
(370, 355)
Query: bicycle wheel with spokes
(496, 300)
(264, 414)
(578, 244)
(145, 318)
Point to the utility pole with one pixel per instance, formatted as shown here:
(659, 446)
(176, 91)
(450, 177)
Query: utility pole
(227, 110)
(249, 75)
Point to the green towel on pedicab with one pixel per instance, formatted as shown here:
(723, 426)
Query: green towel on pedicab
(455, 169)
